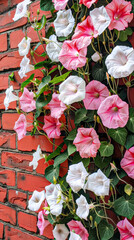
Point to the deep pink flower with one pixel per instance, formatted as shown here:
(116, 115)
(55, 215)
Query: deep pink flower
(73, 54)
(56, 106)
(86, 31)
(126, 230)
(42, 223)
(87, 142)
(87, 3)
(52, 127)
(96, 92)
(78, 229)
(27, 103)
(20, 126)
(119, 12)
(127, 163)
(60, 4)
(113, 112)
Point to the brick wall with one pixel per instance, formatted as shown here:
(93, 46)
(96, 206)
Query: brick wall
(17, 179)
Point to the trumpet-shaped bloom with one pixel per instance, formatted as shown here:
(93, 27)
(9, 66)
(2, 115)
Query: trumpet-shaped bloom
(87, 142)
(21, 10)
(36, 200)
(53, 48)
(27, 103)
(87, 3)
(83, 207)
(42, 223)
(119, 13)
(20, 126)
(78, 229)
(86, 31)
(76, 176)
(36, 157)
(25, 67)
(74, 236)
(60, 4)
(113, 112)
(24, 46)
(56, 106)
(73, 54)
(10, 97)
(52, 127)
(126, 230)
(60, 232)
(64, 23)
(127, 163)
(100, 19)
(120, 62)
(96, 56)
(98, 183)
(96, 92)
(72, 90)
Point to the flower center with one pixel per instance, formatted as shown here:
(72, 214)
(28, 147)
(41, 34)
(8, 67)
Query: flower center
(101, 18)
(63, 21)
(96, 95)
(115, 109)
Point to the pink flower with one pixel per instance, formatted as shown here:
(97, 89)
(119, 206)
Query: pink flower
(119, 12)
(78, 229)
(42, 223)
(127, 163)
(87, 142)
(87, 3)
(96, 92)
(113, 112)
(20, 126)
(73, 54)
(60, 4)
(86, 31)
(56, 106)
(52, 127)
(126, 230)
(27, 102)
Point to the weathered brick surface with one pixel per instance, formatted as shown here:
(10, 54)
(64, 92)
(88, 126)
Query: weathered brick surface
(3, 194)
(7, 214)
(1, 230)
(7, 177)
(3, 81)
(10, 60)
(27, 221)
(7, 140)
(17, 198)
(3, 42)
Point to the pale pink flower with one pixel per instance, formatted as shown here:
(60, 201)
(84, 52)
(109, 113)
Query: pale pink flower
(20, 126)
(52, 127)
(74, 236)
(127, 163)
(87, 3)
(96, 56)
(73, 54)
(87, 142)
(60, 4)
(126, 230)
(21, 10)
(119, 13)
(56, 106)
(96, 92)
(36, 200)
(86, 31)
(78, 229)
(24, 46)
(113, 112)
(42, 223)
(60, 232)
(27, 103)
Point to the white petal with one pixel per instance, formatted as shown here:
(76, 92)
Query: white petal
(53, 48)
(36, 157)
(10, 97)
(36, 200)
(24, 46)
(74, 236)
(83, 207)
(60, 232)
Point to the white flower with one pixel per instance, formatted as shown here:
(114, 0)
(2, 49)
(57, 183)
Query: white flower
(54, 198)
(60, 232)
(36, 157)
(53, 48)
(25, 67)
(83, 207)
(74, 236)
(120, 63)
(10, 97)
(96, 57)
(24, 46)
(72, 90)
(64, 23)
(98, 183)
(36, 200)
(76, 176)
(21, 10)
(100, 18)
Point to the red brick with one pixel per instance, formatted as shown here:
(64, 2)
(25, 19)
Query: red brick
(30, 183)
(1, 230)
(7, 214)
(17, 198)
(14, 2)
(7, 177)
(42, 165)
(12, 105)
(27, 221)
(3, 5)
(4, 81)
(15, 38)
(10, 60)
(33, 10)
(7, 140)
(3, 42)
(33, 34)
(29, 143)
(0, 122)
(3, 194)
(39, 51)
(16, 160)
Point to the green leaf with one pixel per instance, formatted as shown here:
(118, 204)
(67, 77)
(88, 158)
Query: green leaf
(119, 135)
(71, 136)
(43, 84)
(55, 153)
(11, 77)
(51, 172)
(125, 207)
(27, 82)
(102, 162)
(77, 158)
(60, 159)
(71, 149)
(42, 64)
(124, 34)
(59, 79)
(75, 7)
(130, 123)
(130, 141)
(114, 178)
(43, 22)
(38, 44)
(51, 218)
(80, 115)
(106, 149)
(46, 5)
(98, 72)
(106, 230)
(43, 100)
(50, 32)
(128, 189)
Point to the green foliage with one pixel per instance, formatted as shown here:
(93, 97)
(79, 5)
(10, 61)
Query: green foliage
(46, 5)
(102, 162)
(119, 135)
(71, 136)
(42, 86)
(29, 80)
(125, 206)
(60, 159)
(80, 115)
(106, 149)
(52, 172)
(123, 35)
(55, 153)
(130, 123)
(130, 141)
(106, 230)
(59, 79)
(71, 149)
(98, 72)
